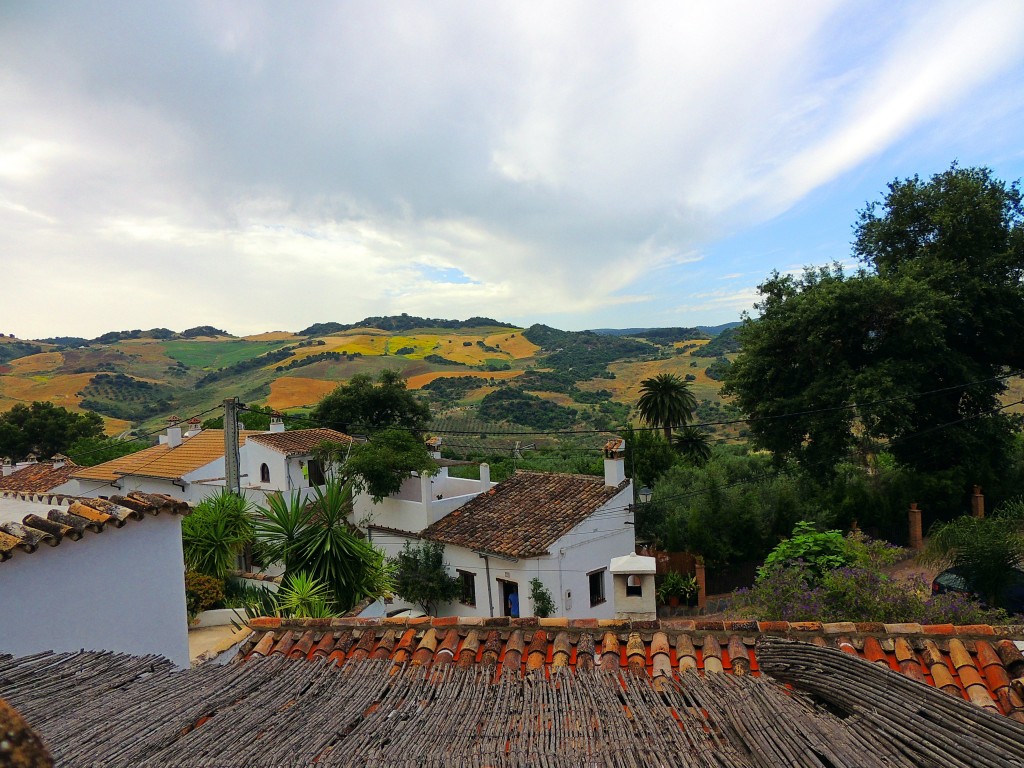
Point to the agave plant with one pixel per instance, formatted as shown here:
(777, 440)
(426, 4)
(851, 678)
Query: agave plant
(304, 597)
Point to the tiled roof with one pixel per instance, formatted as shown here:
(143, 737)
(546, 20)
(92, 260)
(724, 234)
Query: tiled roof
(979, 664)
(68, 517)
(163, 461)
(38, 478)
(94, 708)
(298, 442)
(524, 515)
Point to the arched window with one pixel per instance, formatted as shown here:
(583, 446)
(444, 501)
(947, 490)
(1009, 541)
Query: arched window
(264, 473)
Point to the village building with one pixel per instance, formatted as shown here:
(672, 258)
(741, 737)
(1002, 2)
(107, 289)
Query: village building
(37, 477)
(561, 529)
(92, 573)
(191, 466)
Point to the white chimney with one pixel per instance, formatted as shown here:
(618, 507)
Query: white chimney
(173, 437)
(434, 447)
(194, 427)
(633, 587)
(59, 461)
(8, 469)
(485, 476)
(276, 423)
(614, 462)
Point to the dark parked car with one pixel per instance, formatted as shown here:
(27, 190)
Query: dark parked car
(953, 580)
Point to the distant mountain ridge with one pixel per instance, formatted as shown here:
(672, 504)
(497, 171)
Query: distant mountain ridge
(710, 330)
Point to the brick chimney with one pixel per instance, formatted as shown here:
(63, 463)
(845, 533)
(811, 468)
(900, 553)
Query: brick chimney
(614, 462)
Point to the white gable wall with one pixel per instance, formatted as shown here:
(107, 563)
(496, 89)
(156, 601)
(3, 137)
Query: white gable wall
(120, 590)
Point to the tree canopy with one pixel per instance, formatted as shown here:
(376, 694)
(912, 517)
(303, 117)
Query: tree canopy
(44, 429)
(422, 578)
(905, 350)
(367, 405)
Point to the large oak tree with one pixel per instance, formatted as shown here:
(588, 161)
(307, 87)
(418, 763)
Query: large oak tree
(916, 339)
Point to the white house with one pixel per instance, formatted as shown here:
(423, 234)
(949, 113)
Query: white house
(559, 528)
(191, 467)
(92, 574)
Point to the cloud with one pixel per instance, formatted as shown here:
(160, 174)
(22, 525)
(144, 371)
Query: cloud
(255, 165)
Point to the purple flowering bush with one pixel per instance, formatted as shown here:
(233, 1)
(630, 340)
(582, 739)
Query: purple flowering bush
(861, 591)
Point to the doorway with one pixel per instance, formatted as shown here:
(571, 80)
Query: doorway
(509, 598)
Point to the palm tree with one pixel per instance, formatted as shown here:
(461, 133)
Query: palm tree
(692, 443)
(666, 401)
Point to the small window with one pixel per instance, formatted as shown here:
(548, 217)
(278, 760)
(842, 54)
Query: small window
(634, 586)
(596, 587)
(316, 473)
(468, 594)
(264, 473)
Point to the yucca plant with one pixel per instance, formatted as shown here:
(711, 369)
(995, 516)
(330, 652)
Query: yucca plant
(216, 533)
(304, 597)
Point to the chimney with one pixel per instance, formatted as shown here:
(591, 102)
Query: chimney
(614, 462)
(485, 477)
(194, 427)
(914, 522)
(8, 468)
(276, 422)
(633, 587)
(59, 460)
(172, 421)
(173, 437)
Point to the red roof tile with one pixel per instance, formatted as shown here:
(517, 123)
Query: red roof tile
(968, 666)
(38, 478)
(299, 442)
(524, 515)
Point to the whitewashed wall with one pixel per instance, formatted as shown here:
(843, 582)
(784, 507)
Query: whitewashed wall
(588, 547)
(119, 590)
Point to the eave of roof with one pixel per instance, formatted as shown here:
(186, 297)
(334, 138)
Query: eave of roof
(71, 517)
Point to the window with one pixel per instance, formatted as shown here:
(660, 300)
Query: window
(468, 595)
(634, 586)
(596, 587)
(264, 473)
(316, 473)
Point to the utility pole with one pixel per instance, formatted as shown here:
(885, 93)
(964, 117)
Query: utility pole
(231, 471)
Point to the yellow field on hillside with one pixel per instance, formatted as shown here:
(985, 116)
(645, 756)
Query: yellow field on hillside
(453, 347)
(294, 391)
(273, 336)
(514, 343)
(559, 398)
(41, 363)
(60, 390)
(421, 380)
(422, 344)
(625, 387)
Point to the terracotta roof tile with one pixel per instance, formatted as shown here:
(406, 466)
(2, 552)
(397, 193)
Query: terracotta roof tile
(39, 478)
(163, 461)
(298, 442)
(967, 667)
(524, 515)
(69, 517)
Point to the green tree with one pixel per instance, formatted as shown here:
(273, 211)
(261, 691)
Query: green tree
(381, 464)
(44, 429)
(648, 456)
(937, 308)
(422, 578)
(666, 402)
(90, 451)
(365, 405)
(543, 603)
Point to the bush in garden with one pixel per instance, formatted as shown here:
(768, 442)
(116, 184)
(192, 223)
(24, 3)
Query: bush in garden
(202, 592)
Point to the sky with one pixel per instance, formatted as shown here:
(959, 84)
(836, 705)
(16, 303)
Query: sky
(263, 166)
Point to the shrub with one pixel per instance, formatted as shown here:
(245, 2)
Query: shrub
(202, 592)
(543, 604)
(216, 533)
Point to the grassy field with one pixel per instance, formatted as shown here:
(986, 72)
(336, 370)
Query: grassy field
(41, 363)
(294, 391)
(217, 354)
(513, 343)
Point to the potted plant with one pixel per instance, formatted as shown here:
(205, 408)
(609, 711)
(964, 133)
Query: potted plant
(675, 587)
